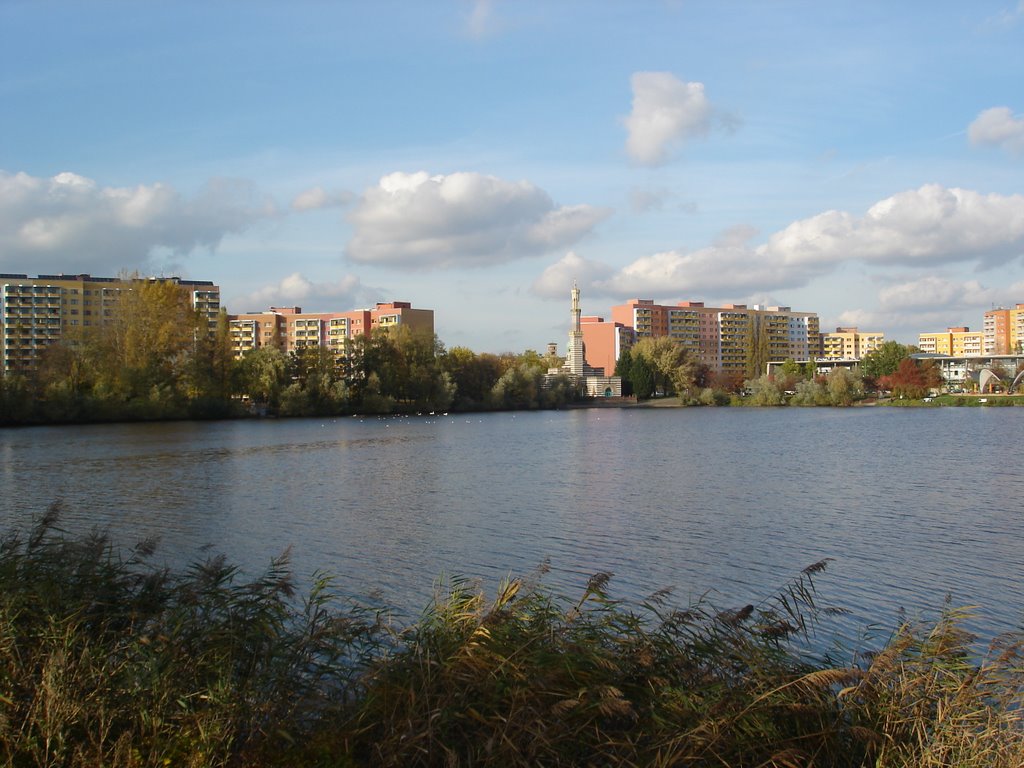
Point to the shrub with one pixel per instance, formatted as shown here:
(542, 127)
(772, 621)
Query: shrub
(107, 660)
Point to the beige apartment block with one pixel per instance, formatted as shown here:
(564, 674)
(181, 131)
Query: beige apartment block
(849, 343)
(38, 311)
(290, 329)
(721, 336)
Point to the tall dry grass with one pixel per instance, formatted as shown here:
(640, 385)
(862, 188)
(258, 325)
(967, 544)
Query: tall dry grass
(106, 660)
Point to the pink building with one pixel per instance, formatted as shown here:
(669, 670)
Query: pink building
(604, 342)
(290, 329)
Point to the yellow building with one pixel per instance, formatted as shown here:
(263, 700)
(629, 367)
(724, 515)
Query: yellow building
(958, 341)
(38, 311)
(849, 343)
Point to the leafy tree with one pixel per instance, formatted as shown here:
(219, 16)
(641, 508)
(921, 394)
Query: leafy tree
(810, 392)
(727, 381)
(473, 375)
(262, 375)
(674, 367)
(912, 379)
(141, 343)
(790, 368)
(518, 387)
(711, 396)
(558, 390)
(844, 386)
(764, 390)
(637, 374)
(883, 360)
(757, 345)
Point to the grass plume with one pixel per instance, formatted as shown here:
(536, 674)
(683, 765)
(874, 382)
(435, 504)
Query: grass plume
(108, 660)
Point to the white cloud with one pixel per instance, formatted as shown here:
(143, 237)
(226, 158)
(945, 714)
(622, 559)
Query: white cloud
(666, 113)
(71, 224)
(721, 269)
(462, 219)
(933, 290)
(927, 227)
(555, 281)
(296, 289)
(317, 198)
(997, 127)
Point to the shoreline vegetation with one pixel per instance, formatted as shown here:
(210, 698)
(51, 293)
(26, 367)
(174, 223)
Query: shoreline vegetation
(109, 660)
(158, 361)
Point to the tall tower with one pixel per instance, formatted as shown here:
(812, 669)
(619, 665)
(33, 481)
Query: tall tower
(574, 357)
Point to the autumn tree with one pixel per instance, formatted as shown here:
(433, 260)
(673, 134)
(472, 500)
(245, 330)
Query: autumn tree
(883, 360)
(844, 386)
(675, 367)
(139, 345)
(912, 379)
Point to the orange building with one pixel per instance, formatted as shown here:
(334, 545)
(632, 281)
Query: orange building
(1004, 331)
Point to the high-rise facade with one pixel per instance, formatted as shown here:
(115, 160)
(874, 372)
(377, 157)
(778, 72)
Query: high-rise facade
(849, 343)
(1004, 331)
(958, 341)
(724, 338)
(290, 329)
(36, 312)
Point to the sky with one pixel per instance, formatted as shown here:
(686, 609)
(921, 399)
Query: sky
(861, 160)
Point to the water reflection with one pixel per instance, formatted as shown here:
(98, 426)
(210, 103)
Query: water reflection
(733, 500)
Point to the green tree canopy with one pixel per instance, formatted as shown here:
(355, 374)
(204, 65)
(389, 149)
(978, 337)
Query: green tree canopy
(884, 359)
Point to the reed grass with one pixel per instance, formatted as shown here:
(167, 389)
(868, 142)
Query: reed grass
(107, 660)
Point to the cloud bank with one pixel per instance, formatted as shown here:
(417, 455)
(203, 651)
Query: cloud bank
(296, 289)
(71, 223)
(924, 227)
(461, 220)
(666, 113)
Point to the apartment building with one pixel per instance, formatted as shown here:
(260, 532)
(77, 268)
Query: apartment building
(957, 341)
(721, 337)
(38, 311)
(290, 329)
(849, 343)
(1004, 330)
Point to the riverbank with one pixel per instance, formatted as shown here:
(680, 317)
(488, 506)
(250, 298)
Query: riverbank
(110, 661)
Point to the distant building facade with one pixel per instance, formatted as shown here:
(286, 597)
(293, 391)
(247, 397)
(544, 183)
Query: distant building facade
(595, 381)
(1004, 331)
(36, 312)
(849, 343)
(289, 329)
(722, 337)
(958, 341)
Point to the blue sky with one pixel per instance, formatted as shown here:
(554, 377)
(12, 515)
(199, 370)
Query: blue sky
(861, 160)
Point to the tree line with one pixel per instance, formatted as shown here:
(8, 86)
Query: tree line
(157, 358)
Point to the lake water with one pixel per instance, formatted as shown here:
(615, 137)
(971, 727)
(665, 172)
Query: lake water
(912, 504)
